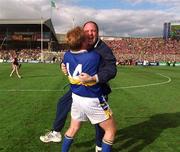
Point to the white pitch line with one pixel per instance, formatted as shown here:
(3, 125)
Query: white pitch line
(146, 85)
(30, 90)
(116, 88)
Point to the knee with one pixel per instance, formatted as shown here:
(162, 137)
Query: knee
(110, 133)
(72, 131)
(112, 130)
(75, 128)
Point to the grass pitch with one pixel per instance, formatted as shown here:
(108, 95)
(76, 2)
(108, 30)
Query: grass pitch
(145, 102)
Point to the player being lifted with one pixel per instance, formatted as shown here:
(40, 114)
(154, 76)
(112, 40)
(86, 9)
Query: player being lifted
(88, 101)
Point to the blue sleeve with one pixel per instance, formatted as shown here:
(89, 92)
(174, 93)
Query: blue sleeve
(65, 58)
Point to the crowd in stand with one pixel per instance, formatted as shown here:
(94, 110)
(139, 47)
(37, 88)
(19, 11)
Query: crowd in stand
(131, 50)
(26, 55)
(126, 50)
(23, 55)
(32, 55)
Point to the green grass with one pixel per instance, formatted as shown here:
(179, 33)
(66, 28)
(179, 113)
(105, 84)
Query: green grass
(147, 112)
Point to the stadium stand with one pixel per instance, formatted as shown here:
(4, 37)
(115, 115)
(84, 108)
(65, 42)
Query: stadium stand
(24, 37)
(34, 40)
(131, 50)
(128, 51)
(26, 34)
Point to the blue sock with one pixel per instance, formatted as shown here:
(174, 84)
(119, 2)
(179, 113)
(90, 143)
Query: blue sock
(106, 146)
(99, 135)
(66, 143)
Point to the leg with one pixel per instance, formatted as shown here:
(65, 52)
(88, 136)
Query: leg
(17, 72)
(70, 133)
(110, 130)
(13, 69)
(99, 135)
(63, 107)
(74, 127)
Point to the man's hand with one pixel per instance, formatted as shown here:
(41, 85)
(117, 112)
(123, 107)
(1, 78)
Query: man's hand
(85, 78)
(64, 69)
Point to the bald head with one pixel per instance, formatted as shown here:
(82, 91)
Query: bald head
(92, 32)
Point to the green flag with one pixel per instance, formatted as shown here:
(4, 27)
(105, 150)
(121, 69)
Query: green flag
(53, 4)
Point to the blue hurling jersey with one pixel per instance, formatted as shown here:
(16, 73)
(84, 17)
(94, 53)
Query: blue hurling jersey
(86, 62)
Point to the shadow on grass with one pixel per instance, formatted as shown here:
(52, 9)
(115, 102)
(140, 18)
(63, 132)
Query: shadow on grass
(136, 137)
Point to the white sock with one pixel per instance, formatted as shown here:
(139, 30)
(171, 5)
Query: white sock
(55, 132)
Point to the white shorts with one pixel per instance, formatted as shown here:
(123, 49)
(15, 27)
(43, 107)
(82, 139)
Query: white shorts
(95, 109)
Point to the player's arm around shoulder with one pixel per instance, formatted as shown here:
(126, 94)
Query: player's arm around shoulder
(64, 69)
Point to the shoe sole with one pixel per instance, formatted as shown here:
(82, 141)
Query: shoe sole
(55, 141)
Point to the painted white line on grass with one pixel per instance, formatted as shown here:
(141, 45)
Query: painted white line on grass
(146, 85)
(31, 90)
(115, 88)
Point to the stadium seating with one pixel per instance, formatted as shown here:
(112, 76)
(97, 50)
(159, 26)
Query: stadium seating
(126, 50)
